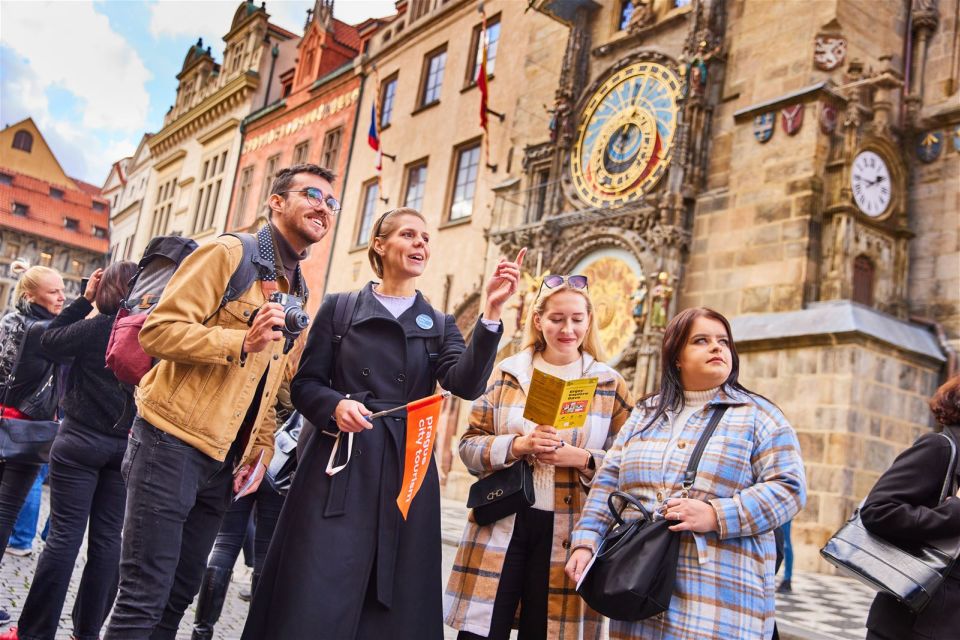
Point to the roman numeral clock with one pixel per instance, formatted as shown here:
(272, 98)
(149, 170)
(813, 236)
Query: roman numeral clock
(625, 139)
(870, 182)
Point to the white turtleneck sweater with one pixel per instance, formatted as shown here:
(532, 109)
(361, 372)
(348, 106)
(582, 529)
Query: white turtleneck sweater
(693, 401)
(543, 474)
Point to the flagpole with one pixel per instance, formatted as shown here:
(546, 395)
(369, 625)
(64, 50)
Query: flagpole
(482, 85)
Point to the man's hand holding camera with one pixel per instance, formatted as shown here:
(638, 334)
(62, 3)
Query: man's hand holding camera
(265, 328)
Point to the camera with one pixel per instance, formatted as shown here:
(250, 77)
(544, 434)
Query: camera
(295, 319)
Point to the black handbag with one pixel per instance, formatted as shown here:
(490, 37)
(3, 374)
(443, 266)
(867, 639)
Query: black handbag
(502, 493)
(28, 441)
(284, 463)
(912, 575)
(632, 574)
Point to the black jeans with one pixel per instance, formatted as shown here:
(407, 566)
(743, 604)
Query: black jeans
(233, 530)
(16, 480)
(524, 580)
(176, 498)
(85, 484)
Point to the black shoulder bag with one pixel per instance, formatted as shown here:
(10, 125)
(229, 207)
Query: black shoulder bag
(910, 576)
(28, 440)
(631, 576)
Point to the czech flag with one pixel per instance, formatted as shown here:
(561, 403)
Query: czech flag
(373, 136)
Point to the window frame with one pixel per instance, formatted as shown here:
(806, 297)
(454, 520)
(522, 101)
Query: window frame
(330, 147)
(268, 176)
(243, 193)
(210, 184)
(23, 134)
(425, 76)
(56, 194)
(362, 239)
(16, 211)
(422, 163)
(304, 146)
(391, 80)
(71, 224)
(474, 58)
(458, 151)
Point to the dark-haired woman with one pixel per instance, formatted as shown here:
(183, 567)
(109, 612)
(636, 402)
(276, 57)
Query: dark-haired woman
(343, 562)
(85, 482)
(904, 507)
(750, 481)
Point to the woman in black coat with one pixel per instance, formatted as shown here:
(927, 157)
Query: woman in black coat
(343, 563)
(904, 507)
(28, 380)
(85, 482)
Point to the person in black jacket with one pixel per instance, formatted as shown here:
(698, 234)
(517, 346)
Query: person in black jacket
(904, 507)
(85, 480)
(28, 380)
(343, 563)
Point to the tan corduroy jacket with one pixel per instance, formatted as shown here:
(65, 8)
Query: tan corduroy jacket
(200, 390)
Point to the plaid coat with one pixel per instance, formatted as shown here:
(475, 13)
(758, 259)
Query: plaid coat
(752, 474)
(495, 420)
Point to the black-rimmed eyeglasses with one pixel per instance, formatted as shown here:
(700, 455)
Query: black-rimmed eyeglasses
(315, 198)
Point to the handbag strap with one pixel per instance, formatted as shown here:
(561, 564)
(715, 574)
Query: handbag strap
(691, 473)
(951, 468)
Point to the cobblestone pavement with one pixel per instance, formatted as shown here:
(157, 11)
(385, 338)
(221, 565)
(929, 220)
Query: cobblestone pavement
(820, 607)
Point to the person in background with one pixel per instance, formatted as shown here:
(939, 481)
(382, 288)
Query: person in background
(749, 482)
(27, 379)
(487, 585)
(85, 482)
(25, 528)
(904, 507)
(344, 563)
(786, 585)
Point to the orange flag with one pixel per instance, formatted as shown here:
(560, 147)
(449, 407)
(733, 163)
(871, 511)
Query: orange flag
(422, 418)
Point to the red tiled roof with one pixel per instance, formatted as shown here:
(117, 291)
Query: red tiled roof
(346, 34)
(46, 214)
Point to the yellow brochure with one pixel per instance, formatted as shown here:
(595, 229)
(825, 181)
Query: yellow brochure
(561, 403)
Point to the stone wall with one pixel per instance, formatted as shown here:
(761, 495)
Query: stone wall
(855, 406)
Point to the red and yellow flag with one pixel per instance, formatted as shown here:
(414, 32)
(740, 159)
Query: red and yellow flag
(482, 74)
(422, 418)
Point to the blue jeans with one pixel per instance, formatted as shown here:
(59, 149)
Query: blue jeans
(787, 553)
(25, 528)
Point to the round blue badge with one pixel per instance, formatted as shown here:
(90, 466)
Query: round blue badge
(424, 321)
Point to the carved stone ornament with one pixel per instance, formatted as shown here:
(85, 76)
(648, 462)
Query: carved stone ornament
(791, 118)
(929, 146)
(829, 115)
(956, 138)
(829, 51)
(763, 126)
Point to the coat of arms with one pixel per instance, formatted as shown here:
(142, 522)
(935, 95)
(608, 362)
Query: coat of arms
(929, 146)
(829, 51)
(828, 118)
(763, 126)
(791, 118)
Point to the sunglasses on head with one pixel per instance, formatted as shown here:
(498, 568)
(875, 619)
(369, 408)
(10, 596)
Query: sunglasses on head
(315, 198)
(553, 281)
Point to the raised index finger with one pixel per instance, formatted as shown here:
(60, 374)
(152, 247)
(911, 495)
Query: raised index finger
(520, 255)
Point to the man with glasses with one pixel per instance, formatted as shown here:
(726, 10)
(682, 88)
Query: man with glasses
(206, 415)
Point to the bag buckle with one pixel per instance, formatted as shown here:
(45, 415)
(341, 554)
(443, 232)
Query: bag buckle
(493, 495)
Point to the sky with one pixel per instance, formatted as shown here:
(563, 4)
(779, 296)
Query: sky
(96, 75)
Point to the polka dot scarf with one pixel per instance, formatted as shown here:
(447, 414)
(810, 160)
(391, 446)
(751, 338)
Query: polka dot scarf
(269, 253)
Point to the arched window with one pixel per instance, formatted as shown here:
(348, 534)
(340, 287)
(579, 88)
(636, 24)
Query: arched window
(23, 140)
(863, 276)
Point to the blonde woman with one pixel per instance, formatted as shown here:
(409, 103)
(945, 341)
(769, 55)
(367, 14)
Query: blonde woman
(519, 560)
(27, 378)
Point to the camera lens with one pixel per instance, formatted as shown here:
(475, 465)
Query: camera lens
(296, 320)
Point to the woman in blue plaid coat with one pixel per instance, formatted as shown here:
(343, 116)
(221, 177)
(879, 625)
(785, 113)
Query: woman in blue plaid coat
(750, 481)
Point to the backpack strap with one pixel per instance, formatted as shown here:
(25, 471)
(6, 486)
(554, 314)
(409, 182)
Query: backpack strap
(343, 317)
(246, 273)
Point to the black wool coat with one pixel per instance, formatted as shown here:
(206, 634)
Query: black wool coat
(903, 507)
(34, 367)
(343, 564)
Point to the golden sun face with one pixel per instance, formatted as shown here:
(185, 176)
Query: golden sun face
(626, 134)
(612, 282)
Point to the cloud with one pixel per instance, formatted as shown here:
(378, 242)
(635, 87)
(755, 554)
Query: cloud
(71, 46)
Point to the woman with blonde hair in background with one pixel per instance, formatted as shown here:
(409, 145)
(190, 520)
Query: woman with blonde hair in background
(28, 378)
(519, 559)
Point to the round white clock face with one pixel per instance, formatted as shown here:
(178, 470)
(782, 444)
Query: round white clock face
(870, 181)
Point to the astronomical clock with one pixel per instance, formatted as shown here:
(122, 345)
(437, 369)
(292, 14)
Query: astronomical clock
(626, 135)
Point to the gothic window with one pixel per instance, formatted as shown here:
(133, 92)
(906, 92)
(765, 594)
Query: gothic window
(863, 277)
(23, 141)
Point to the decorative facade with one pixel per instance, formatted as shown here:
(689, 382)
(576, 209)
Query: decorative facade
(46, 217)
(788, 167)
(126, 190)
(311, 121)
(195, 153)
